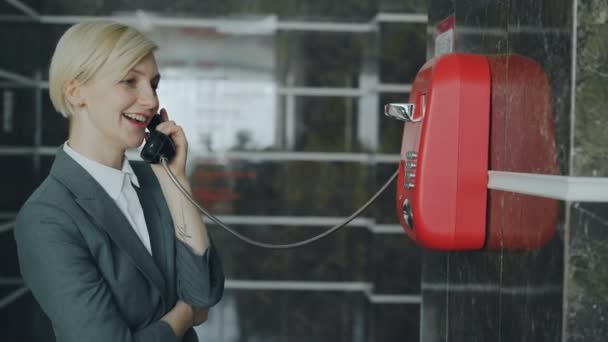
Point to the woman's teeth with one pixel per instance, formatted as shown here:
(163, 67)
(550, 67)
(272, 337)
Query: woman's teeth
(135, 117)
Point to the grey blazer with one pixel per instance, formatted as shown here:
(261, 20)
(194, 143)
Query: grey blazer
(90, 272)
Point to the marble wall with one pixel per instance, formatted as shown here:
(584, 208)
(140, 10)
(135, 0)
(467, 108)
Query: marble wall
(556, 292)
(586, 276)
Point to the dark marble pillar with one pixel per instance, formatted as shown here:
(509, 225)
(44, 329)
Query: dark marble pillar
(504, 294)
(586, 272)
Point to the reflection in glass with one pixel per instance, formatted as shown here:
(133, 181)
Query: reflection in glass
(219, 87)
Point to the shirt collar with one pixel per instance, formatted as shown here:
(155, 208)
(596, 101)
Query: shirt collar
(110, 179)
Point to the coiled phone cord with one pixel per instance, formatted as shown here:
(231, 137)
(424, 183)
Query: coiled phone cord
(331, 230)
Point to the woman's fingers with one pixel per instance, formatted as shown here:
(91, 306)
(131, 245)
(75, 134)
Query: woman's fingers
(200, 315)
(164, 115)
(170, 128)
(163, 126)
(177, 134)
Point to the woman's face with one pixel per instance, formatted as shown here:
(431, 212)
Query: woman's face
(118, 113)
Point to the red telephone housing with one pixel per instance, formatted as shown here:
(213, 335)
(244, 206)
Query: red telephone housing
(471, 113)
(442, 184)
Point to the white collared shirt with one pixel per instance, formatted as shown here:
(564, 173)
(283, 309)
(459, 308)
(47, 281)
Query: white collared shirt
(119, 185)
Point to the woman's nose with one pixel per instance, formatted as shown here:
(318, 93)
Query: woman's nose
(148, 98)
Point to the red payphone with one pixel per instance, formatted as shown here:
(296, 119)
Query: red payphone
(458, 125)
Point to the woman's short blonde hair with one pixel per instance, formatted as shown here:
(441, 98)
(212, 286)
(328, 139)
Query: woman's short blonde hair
(89, 48)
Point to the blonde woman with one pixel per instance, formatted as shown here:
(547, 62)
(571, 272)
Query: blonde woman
(110, 248)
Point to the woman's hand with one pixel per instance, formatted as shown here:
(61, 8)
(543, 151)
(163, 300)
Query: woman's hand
(183, 316)
(200, 316)
(177, 164)
(180, 318)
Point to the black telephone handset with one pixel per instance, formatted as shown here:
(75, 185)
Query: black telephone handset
(158, 144)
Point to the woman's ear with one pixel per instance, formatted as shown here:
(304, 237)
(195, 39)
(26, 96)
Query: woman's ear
(74, 94)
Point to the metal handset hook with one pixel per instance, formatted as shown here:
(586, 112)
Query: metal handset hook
(404, 111)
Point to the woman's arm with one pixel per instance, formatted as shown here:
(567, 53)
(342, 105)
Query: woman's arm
(189, 226)
(64, 279)
(200, 275)
(188, 223)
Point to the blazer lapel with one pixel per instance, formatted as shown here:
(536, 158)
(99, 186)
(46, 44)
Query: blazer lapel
(106, 214)
(153, 221)
(160, 239)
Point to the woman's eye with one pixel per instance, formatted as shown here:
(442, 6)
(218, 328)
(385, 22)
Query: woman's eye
(129, 81)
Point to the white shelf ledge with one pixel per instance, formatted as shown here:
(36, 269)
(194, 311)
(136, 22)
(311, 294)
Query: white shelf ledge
(567, 188)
